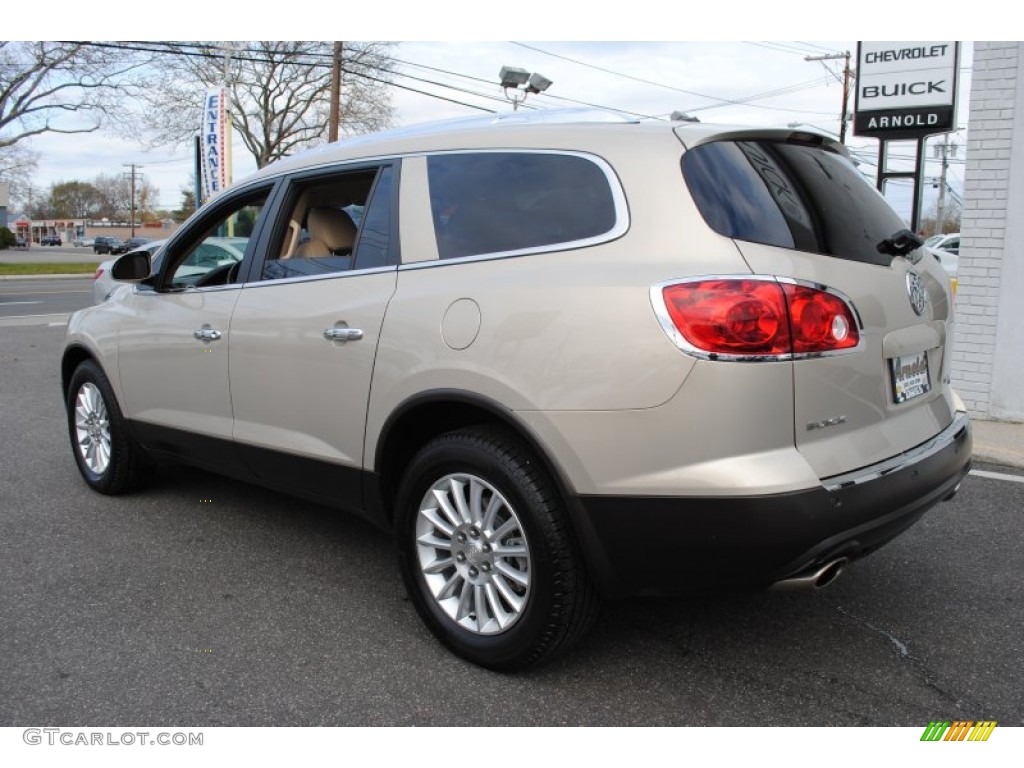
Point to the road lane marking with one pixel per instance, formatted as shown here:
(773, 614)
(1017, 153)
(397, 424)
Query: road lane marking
(14, 321)
(997, 476)
(11, 303)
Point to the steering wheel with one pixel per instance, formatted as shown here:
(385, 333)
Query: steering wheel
(219, 276)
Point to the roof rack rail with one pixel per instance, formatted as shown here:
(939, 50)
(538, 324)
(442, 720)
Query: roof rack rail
(519, 117)
(565, 115)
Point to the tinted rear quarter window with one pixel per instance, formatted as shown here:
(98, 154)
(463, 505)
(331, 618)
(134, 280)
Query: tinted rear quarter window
(791, 195)
(497, 202)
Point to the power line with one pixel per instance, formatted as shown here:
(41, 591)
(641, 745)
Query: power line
(201, 54)
(722, 101)
(213, 51)
(819, 47)
(206, 51)
(779, 47)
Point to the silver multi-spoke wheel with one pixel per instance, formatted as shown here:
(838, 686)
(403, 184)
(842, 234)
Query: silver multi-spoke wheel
(92, 428)
(473, 554)
(109, 459)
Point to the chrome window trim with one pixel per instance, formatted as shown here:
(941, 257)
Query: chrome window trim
(665, 320)
(326, 276)
(267, 283)
(187, 289)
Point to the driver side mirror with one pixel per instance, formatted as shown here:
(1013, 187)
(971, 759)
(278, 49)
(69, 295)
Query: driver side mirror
(132, 267)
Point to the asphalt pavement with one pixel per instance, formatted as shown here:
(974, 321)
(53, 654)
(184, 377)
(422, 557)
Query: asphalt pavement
(203, 601)
(34, 297)
(41, 254)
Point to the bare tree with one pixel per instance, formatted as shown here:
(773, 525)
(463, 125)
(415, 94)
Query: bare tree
(17, 167)
(43, 84)
(278, 90)
(115, 196)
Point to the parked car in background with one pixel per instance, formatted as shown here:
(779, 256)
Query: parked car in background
(947, 242)
(103, 283)
(561, 355)
(83, 242)
(945, 249)
(50, 240)
(949, 260)
(105, 244)
(20, 242)
(133, 244)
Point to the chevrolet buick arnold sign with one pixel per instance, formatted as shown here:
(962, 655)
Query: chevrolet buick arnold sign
(906, 90)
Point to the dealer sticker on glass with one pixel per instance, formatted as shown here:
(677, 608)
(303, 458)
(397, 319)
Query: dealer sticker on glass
(909, 376)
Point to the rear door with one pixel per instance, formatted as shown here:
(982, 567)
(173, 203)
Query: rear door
(800, 210)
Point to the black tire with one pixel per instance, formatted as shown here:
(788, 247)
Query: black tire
(556, 606)
(126, 467)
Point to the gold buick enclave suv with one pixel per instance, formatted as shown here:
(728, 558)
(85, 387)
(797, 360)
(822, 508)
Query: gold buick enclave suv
(561, 356)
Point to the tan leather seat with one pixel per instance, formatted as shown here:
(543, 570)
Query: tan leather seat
(331, 232)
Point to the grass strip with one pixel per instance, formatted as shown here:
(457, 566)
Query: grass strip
(49, 268)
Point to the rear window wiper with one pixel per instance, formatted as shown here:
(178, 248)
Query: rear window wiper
(900, 243)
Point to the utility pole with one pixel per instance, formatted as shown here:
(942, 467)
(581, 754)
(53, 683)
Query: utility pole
(134, 167)
(943, 152)
(847, 76)
(332, 126)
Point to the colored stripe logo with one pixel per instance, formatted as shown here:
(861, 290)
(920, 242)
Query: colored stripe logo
(958, 730)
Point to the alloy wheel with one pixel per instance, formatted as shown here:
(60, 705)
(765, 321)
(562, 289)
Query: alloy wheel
(473, 554)
(92, 428)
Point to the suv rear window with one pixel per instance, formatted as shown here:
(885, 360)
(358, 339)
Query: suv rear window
(497, 202)
(792, 195)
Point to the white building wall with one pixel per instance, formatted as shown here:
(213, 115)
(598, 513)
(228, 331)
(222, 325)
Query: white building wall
(988, 347)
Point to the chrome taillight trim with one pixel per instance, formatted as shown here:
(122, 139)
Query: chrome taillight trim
(665, 320)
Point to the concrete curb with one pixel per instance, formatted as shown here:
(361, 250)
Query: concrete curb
(999, 442)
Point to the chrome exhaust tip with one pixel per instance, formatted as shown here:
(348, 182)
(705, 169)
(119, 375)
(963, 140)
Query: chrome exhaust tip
(954, 492)
(816, 579)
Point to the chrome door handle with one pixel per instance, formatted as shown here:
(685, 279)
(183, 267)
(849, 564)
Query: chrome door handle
(206, 334)
(343, 334)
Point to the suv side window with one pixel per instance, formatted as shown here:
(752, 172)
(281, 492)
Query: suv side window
(213, 258)
(335, 224)
(499, 202)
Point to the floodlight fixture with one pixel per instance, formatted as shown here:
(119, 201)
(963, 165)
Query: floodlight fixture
(537, 83)
(521, 84)
(513, 77)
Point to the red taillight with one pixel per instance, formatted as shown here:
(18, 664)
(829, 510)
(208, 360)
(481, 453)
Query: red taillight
(99, 272)
(733, 317)
(759, 318)
(821, 322)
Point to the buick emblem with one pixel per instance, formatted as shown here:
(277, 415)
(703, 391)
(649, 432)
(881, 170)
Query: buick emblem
(918, 295)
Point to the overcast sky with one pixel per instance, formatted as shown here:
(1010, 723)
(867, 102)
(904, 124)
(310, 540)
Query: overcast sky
(750, 83)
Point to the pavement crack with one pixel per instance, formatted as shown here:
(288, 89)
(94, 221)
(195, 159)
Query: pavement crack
(921, 669)
(901, 646)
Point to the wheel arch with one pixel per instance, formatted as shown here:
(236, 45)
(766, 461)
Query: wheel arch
(424, 416)
(74, 356)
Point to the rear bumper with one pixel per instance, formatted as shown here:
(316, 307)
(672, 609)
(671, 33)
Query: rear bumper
(665, 545)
